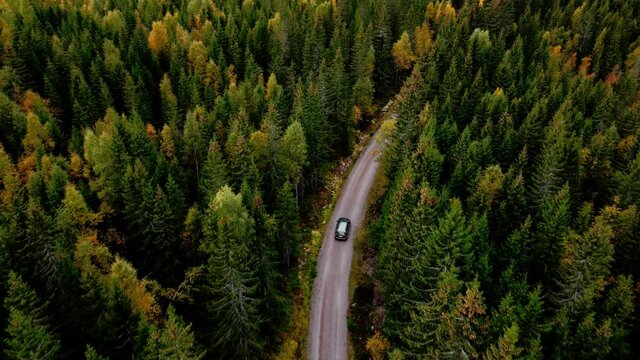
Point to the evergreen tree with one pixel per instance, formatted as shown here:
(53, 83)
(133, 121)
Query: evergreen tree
(316, 130)
(420, 335)
(338, 104)
(214, 171)
(450, 242)
(553, 224)
(228, 230)
(29, 336)
(292, 153)
(584, 266)
(506, 348)
(286, 215)
(92, 354)
(459, 329)
(174, 341)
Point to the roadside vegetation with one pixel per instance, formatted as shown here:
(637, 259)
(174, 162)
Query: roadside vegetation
(366, 311)
(296, 334)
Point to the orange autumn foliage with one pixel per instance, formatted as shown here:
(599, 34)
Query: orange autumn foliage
(158, 38)
(423, 39)
(402, 53)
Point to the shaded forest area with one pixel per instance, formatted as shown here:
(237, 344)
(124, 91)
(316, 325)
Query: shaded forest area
(510, 228)
(156, 157)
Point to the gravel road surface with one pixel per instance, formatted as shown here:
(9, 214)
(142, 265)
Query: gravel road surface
(328, 335)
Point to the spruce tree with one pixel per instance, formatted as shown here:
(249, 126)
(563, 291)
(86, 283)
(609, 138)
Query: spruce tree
(286, 215)
(231, 283)
(29, 335)
(174, 340)
(450, 242)
(214, 171)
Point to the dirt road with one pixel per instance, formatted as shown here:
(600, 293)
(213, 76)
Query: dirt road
(328, 336)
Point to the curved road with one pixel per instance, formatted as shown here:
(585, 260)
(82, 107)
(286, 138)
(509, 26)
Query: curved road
(328, 336)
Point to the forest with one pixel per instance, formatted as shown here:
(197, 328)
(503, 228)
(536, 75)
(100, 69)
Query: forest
(157, 160)
(510, 228)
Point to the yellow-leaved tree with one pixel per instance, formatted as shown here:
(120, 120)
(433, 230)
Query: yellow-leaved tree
(423, 40)
(159, 38)
(403, 55)
(377, 345)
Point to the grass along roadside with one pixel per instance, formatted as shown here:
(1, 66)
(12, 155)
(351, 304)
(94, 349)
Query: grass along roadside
(363, 317)
(295, 337)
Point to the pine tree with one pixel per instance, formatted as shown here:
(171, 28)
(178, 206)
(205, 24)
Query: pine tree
(164, 234)
(383, 45)
(73, 216)
(214, 172)
(408, 276)
(193, 144)
(316, 130)
(29, 336)
(512, 208)
(397, 248)
(618, 306)
(362, 65)
(553, 224)
(174, 341)
(265, 153)
(338, 104)
(420, 334)
(458, 332)
(265, 249)
(286, 214)
(228, 231)
(410, 105)
(241, 165)
(487, 187)
(92, 354)
(628, 183)
(139, 200)
(427, 156)
(169, 102)
(583, 268)
(506, 348)
(450, 242)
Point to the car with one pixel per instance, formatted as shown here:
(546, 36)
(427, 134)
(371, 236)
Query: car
(342, 229)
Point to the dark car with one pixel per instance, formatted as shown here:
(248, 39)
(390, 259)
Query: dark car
(342, 229)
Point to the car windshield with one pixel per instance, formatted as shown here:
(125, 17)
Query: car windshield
(342, 227)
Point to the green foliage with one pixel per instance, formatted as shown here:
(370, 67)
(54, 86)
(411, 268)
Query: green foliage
(189, 135)
(449, 243)
(228, 233)
(288, 234)
(292, 153)
(92, 354)
(214, 173)
(523, 116)
(29, 336)
(174, 341)
(506, 348)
